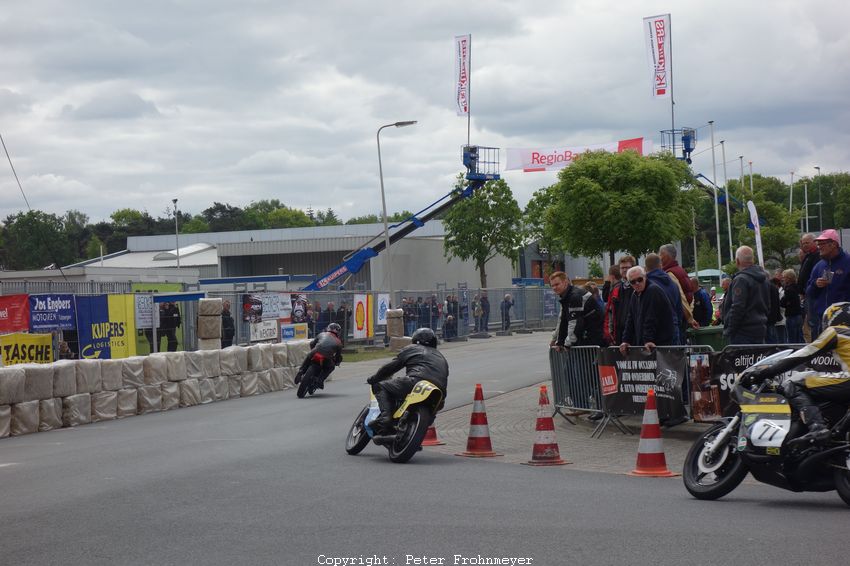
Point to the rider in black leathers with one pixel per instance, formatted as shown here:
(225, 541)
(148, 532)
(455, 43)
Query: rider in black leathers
(325, 352)
(804, 391)
(421, 360)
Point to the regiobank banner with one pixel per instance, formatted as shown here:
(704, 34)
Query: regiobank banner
(26, 348)
(105, 326)
(556, 158)
(52, 312)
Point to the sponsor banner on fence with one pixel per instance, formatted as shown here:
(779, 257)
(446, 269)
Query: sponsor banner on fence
(656, 29)
(14, 313)
(625, 380)
(712, 383)
(383, 307)
(26, 348)
(556, 158)
(267, 306)
(106, 326)
(293, 332)
(463, 47)
(363, 327)
(146, 315)
(52, 312)
(264, 330)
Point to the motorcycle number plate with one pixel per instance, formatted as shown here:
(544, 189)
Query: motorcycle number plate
(768, 433)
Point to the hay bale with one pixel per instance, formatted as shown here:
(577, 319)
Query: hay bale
(209, 327)
(175, 366)
(249, 384)
(210, 307)
(49, 414)
(76, 409)
(207, 391)
(264, 382)
(234, 386)
(104, 406)
(12, 385)
(280, 355)
(128, 403)
(297, 350)
(209, 343)
(133, 372)
(266, 356)
(88, 376)
(221, 387)
(25, 418)
(194, 365)
(190, 393)
(5, 420)
(38, 381)
(150, 399)
(156, 369)
(212, 363)
(64, 378)
(170, 395)
(111, 375)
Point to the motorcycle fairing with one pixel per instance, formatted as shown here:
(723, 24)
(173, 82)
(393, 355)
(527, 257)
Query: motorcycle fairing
(422, 391)
(765, 424)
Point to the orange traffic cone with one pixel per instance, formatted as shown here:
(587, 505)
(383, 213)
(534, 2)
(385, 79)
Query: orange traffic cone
(545, 451)
(431, 437)
(650, 458)
(478, 444)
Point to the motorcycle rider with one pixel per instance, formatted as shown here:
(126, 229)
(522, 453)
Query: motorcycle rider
(421, 360)
(325, 352)
(807, 388)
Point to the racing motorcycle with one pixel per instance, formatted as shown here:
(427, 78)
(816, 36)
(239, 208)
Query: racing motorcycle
(411, 420)
(309, 382)
(763, 438)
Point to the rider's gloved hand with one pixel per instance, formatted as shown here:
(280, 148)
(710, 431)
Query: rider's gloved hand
(756, 375)
(373, 380)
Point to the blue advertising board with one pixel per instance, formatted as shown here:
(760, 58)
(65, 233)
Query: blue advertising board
(49, 312)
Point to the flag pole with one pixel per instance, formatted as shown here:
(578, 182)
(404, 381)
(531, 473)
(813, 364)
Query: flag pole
(672, 103)
(469, 94)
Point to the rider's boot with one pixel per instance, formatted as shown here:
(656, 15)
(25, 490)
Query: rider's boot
(818, 433)
(384, 421)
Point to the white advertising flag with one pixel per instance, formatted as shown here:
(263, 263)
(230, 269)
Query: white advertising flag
(554, 159)
(754, 218)
(656, 29)
(463, 44)
(383, 306)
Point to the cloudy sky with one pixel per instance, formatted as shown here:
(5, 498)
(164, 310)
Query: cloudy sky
(106, 105)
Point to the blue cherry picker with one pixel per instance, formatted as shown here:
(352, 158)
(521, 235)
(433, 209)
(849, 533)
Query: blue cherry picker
(482, 165)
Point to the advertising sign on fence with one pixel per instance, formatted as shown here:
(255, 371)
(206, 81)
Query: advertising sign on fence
(293, 332)
(14, 313)
(268, 306)
(383, 307)
(363, 327)
(52, 312)
(264, 330)
(625, 380)
(26, 348)
(106, 326)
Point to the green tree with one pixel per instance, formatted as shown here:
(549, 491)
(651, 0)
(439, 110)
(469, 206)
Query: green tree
(77, 233)
(195, 225)
(379, 218)
(484, 225)
(534, 222)
(227, 218)
(94, 247)
(606, 202)
(327, 218)
(35, 239)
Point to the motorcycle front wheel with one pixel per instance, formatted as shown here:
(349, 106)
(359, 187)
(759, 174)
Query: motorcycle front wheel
(410, 434)
(710, 480)
(358, 438)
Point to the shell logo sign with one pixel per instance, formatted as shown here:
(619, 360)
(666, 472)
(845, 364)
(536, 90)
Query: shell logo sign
(363, 326)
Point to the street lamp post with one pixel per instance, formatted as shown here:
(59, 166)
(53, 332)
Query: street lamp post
(716, 205)
(820, 202)
(726, 189)
(176, 233)
(791, 195)
(384, 201)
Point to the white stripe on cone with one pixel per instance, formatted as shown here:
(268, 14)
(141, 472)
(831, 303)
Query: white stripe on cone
(650, 446)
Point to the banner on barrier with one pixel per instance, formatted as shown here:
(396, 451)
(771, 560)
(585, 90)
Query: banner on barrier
(363, 327)
(383, 307)
(264, 330)
(625, 380)
(52, 312)
(14, 313)
(257, 307)
(106, 326)
(293, 332)
(26, 348)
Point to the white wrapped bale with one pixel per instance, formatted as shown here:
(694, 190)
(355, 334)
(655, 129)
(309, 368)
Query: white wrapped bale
(38, 381)
(170, 395)
(88, 376)
(297, 350)
(279, 354)
(133, 372)
(221, 388)
(212, 363)
(210, 307)
(111, 375)
(156, 368)
(25, 418)
(264, 382)
(282, 378)
(266, 356)
(209, 327)
(249, 384)
(190, 393)
(76, 410)
(64, 378)
(234, 386)
(289, 377)
(255, 358)
(209, 343)
(150, 399)
(175, 366)
(12, 385)
(207, 391)
(128, 403)
(229, 360)
(5, 420)
(49, 414)
(194, 365)
(104, 406)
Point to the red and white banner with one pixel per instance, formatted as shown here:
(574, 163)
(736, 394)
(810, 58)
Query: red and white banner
(554, 159)
(656, 29)
(14, 314)
(463, 46)
(363, 327)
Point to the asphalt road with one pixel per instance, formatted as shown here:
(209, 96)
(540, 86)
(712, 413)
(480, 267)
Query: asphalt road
(265, 480)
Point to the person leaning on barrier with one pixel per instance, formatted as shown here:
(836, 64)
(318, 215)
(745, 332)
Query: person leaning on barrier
(650, 320)
(809, 257)
(570, 323)
(829, 282)
(617, 305)
(745, 311)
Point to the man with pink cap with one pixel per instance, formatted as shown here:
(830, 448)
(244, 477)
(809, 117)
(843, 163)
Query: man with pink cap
(829, 282)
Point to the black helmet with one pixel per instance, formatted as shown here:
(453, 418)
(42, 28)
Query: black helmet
(334, 327)
(837, 315)
(425, 336)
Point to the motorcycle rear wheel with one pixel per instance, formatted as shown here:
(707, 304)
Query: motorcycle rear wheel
(842, 484)
(723, 479)
(358, 438)
(409, 438)
(306, 382)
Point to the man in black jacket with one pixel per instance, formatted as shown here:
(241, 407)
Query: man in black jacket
(745, 316)
(650, 318)
(421, 360)
(570, 323)
(809, 257)
(228, 327)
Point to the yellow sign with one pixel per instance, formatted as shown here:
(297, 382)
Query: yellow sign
(26, 348)
(122, 322)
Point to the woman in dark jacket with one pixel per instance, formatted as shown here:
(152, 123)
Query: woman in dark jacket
(793, 310)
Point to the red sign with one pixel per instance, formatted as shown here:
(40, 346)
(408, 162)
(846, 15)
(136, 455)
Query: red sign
(608, 379)
(14, 313)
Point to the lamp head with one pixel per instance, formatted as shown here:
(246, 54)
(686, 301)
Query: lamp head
(174, 201)
(404, 123)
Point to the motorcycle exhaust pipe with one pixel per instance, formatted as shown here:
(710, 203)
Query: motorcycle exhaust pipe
(807, 467)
